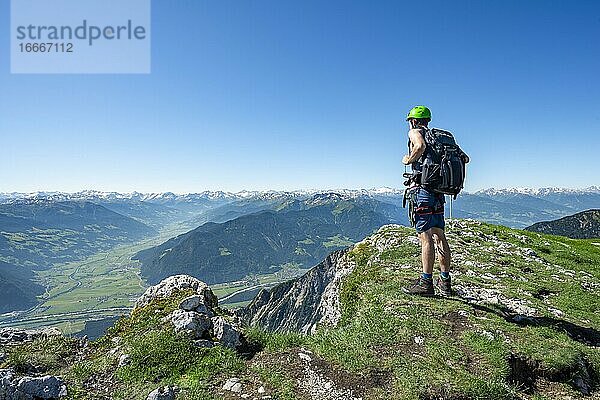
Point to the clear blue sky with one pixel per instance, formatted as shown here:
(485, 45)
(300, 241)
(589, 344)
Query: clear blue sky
(312, 94)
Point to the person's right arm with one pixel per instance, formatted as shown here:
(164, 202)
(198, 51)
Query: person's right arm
(417, 147)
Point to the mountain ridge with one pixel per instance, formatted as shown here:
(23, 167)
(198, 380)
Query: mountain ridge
(301, 232)
(583, 225)
(242, 194)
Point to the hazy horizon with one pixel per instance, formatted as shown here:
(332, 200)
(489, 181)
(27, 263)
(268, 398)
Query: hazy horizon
(324, 189)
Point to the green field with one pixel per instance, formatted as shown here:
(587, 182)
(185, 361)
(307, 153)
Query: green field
(105, 284)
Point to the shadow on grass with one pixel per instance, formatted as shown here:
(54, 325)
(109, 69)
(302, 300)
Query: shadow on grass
(524, 371)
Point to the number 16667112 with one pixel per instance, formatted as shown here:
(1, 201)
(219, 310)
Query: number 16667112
(46, 47)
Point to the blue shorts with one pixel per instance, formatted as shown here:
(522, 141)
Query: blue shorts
(427, 210)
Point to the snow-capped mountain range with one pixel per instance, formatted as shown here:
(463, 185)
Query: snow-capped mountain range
(166, 197)
(537, 192)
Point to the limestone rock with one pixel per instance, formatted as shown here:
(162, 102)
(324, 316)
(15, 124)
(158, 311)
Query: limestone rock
(233, 385)
(162, 393)
(124, 360)
(9, 336)
(196, 303)
(45, 387)
(175, 283)
(228, 334)
(195, 324)
(304, 303)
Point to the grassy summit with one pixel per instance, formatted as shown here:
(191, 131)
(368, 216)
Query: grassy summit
(524, 324)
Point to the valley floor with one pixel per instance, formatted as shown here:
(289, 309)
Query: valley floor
(105, 286)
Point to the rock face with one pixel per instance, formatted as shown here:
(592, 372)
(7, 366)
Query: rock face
(30, 388)
(196, 303)
(304, 303)
(174, 283)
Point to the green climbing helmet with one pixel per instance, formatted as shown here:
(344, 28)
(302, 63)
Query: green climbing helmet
(419, 112)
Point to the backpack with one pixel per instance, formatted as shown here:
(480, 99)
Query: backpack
(443, 163)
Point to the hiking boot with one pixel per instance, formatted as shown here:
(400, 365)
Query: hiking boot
(422, 287)
(444, 286)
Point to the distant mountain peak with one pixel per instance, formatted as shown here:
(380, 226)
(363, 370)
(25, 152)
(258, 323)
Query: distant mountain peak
(536, 191)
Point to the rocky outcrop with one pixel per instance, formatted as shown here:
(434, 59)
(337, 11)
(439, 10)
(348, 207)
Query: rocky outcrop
(227, 333)
(195, 316)
(196, 303)
(30, 388)
(172, 284)
(304, 303)
(13, 336)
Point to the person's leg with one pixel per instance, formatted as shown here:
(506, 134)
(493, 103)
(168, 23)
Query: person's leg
(427, 252)
(424, 285)
(443, 249)
(443, 284)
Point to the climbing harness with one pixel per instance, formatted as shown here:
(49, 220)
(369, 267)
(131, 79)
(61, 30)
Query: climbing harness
(410, 198)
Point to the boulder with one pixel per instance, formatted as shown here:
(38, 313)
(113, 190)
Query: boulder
(45, 387)
(162, 393)
(233, 385)
(175, 283)
(195, 324)
(196, 303)
(228, 334)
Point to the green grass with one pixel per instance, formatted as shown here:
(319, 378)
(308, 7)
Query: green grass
(274, 342)
(379, 322)
(46, 353)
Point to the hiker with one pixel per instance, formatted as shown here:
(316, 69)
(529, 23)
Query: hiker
(438, 168)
